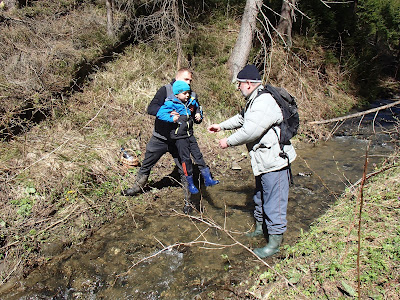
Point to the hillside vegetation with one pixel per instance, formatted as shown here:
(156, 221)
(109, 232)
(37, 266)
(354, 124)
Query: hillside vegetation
(67, 108)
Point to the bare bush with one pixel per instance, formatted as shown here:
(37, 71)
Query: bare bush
(39, 58)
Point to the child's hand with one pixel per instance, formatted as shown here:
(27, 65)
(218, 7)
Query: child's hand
(197, 117)
(175, 118)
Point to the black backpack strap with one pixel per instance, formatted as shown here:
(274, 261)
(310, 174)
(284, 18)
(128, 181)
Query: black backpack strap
(284, 155)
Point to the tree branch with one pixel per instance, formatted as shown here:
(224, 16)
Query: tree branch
(356, 114)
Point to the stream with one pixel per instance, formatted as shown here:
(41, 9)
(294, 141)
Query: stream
(130, 258)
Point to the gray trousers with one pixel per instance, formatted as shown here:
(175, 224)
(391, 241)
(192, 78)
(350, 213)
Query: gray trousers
(271, 199)
(156, 148)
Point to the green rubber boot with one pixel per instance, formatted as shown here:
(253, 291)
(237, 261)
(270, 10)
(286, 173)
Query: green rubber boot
(258, 230)
(274, 241)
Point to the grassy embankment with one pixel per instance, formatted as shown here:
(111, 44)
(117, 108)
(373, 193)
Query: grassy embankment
(323, 263)
(61, 180)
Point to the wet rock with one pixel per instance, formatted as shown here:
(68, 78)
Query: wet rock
(52, 248)
(304, 174)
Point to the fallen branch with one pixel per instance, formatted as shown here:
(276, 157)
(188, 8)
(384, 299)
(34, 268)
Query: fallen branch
(363, 113)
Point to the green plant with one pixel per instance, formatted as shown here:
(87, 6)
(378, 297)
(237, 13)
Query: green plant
(24, 206)
(26, 203)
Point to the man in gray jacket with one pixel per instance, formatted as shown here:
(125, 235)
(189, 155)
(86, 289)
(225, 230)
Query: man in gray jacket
(258, 127)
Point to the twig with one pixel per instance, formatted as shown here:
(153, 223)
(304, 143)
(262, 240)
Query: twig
(132, 215)
(361, 200)
(59, 221)
(168, 248)
(12, 271)
(215, 225)
(371, 175)
(9, 245)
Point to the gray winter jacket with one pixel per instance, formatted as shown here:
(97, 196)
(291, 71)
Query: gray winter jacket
(255, 129)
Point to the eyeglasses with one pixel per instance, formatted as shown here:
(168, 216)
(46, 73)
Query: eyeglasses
(238, 83)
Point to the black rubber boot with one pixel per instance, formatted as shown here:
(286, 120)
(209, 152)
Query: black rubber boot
(188, 207)
(258, 230)
(137, 187)
(274, 241)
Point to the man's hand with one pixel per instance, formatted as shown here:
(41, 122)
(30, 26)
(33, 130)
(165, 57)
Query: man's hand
(223, 143)
(214, 128)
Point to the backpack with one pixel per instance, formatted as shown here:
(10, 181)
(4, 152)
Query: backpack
(290, 123)
(288, 106)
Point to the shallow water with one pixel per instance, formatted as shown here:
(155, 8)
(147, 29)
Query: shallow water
(130, 258)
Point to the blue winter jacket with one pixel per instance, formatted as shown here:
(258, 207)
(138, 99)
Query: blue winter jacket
(184, 125)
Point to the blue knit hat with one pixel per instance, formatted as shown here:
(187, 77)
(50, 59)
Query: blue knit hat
(180, 86)
(249, 73)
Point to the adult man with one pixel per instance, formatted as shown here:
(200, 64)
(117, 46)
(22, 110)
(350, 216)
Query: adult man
(258, 127)
(160, 142)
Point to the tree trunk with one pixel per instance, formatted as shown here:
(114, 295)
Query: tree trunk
(286, 21)
(241, 51)
(178, 42)
(110, 17)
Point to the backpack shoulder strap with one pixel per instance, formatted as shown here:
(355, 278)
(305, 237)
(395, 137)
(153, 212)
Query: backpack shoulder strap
(169, 90)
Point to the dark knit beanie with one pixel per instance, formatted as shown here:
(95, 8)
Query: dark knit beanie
(180, 86)
(249, 73)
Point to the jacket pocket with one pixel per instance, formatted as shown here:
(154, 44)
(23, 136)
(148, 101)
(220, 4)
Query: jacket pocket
(182, 128)
(265, 157)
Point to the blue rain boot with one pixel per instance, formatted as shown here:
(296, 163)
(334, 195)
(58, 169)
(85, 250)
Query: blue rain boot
(192, 188)
(208, 181)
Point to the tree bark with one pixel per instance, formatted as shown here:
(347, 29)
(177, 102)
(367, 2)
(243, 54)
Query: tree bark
(110, 17)
(241, 50)
(286, 21)
(179, 53)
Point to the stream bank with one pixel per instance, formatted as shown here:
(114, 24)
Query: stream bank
(123, 259)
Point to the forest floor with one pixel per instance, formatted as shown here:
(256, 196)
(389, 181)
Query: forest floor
(61, 178)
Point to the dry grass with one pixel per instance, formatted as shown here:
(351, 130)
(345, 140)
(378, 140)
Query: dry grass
(61, 180)
(41, 49)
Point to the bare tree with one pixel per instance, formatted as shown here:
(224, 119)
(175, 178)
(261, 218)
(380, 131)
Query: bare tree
(241, 50)
(176, 21)
(110, 17)
(286, 21)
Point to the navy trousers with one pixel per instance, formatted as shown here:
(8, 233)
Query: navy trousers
(186, 147)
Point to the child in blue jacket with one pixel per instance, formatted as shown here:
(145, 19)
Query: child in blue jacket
(185, 111)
